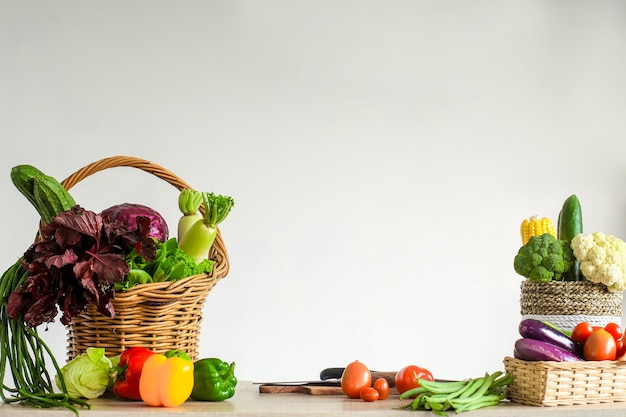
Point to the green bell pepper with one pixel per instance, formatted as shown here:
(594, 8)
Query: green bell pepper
(214, 380)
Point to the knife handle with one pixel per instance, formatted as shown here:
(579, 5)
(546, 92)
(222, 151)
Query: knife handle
(335, 373)
(331, 373)
(389, 376)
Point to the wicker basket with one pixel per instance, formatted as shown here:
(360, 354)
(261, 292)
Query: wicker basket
(159, 316)
(567, 303)
(542, 383)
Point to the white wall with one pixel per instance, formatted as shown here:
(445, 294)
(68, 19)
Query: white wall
(381, 154)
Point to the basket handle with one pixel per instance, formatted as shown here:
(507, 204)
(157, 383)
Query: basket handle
(124, 161)
(218, 250)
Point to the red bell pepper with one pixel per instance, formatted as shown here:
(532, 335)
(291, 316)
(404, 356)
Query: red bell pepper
(129, 372)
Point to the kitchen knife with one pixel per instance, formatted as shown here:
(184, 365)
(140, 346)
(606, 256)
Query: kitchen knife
(335, 373)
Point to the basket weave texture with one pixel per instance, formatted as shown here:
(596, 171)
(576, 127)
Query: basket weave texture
(159, 316)
(543, 383)
(567, 303)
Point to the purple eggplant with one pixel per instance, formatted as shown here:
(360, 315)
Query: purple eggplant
(537, 350)
(538, 330)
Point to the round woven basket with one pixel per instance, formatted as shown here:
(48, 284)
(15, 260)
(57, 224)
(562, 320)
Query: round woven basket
(159, 316)
(567, 303)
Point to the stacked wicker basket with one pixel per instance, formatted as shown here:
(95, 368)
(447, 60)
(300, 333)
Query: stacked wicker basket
(547, 383)
(567, 303)
(159, 316)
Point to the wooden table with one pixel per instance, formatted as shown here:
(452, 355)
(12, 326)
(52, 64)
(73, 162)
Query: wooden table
(249, 402)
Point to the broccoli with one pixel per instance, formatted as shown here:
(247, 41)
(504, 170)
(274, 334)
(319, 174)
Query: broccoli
(544, 258)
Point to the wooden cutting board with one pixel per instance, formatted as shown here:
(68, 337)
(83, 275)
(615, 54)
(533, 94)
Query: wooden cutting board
(325, 387)
(311, 389)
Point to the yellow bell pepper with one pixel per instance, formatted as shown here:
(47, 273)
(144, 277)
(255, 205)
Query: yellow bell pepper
(166, 379)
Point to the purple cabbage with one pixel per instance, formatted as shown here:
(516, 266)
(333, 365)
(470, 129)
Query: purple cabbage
(127, 213)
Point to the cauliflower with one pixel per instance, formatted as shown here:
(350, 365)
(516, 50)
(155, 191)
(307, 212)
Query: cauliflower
(544, 258)
(602, 259)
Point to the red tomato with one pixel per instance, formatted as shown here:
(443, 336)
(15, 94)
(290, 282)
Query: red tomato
(620, 350)
(600, 346)
(615, 330)
(369, 394)
(581, 332)
(407, 377)
(355, 377)
(382, 386)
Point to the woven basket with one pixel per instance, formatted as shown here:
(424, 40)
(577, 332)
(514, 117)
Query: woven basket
(159, 316)
(542, 383)
(567, 303)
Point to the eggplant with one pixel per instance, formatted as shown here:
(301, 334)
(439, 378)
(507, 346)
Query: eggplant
(538, 350)
(538, 330)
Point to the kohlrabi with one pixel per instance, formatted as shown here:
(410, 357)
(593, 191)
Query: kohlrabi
(199, 238)
(189, 202)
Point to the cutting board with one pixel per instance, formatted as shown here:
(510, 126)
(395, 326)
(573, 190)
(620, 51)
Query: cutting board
(325, 387)
(312, 389)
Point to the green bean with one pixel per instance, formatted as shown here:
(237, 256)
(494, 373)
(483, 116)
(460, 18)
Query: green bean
(469, 394)
(472, 386)
(441, 387)
(25, 353)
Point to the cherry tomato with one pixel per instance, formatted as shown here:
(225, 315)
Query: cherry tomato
(369, 394)
(407, 377)
(620, 350)
(581, 332)
(355, 376)
(615, 330)
(382, 386)
(600, 346)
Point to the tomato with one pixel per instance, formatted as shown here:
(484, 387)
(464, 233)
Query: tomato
(407, 377)
(581, 332)
(355, 376)
(369, 394)
(600, 346)
(382, 386)
(620, 350)
(615, 330)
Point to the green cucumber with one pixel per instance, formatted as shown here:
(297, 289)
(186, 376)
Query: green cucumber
(44, 192)
(51, 198)
(23, 177)
(571, 224)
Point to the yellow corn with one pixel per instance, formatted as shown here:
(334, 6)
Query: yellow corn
(536, 226)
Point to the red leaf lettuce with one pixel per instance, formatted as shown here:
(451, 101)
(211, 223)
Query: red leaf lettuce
(78, 260)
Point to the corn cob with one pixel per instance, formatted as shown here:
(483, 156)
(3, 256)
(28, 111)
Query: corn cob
(536, 226)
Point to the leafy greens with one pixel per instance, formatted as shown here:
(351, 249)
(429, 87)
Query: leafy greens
(170, 263)
(78, 260)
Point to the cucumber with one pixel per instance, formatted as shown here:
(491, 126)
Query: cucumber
(23, 177)
(570, 219)
(44, 192)
(51, 198)
(571, 224)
